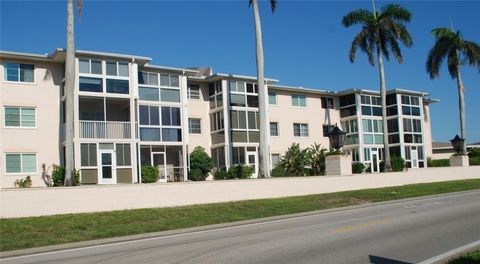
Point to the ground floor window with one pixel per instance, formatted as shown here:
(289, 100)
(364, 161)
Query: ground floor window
(218, 156)
(21, 163)
(167, 159)
(275, 160)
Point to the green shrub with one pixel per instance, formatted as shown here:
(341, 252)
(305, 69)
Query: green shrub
(474, 161)
(398, 164)
(438, 162)
(200, 164)
(58, 176)
(23, 183)
(149, 174)
(474, 153)
(295, 160)
(279, 171)
(240, 171)
(220, 174)
(358, 167)
(316, 159)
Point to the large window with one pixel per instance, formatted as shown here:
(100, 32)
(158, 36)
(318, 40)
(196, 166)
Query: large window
(150, 90)
(24, 117)
(117, 68)
(150, 119)
(193, 92)
(300, 130)
(88, 154)
(371, 105)
(274, 129)
(20, 163)
(372, 131)
(215, 94)
(327, 103)
(351, 128)
(123, 154)
(18, 72)
(299, 100)
(412, 130)
(243, 94)
(88, 84)
(90, 66)
(410, 105)
(216, 121)
(238, 155)
(117, 86)
(272, 98)
(194, 126)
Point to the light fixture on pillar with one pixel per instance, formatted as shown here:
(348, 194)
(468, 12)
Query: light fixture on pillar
(457, 143)
(337, 138)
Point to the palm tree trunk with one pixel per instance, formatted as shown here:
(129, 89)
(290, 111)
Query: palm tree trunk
(461, 104)
(69, 85)
(383, 97)
(262, 97)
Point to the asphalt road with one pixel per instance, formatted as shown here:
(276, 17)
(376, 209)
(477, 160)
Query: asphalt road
(401, 232)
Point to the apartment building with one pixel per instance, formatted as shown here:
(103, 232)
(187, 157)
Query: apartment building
(128, 112)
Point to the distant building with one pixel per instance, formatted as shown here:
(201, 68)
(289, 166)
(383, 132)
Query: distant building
(443, 150)
(128, 112)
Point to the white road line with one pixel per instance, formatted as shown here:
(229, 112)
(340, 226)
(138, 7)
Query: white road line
(451, 253)
(225, 228)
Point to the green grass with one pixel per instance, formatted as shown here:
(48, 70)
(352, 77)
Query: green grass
(30, 232)
(468, 258)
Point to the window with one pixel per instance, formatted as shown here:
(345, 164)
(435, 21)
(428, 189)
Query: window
(20, 117)
(194, 126)
(193, 92)
(412, 129)
(169, 80)
(88, 154)
(237, 100)
(348, 111)
(238, 155)
(372, 131)
(169, 95)
(274, 129)
(370, 105)
(148, 93)
(87, 84)
(275, 160)
(18, 72)
(117, 68)
(300, 130)
(410, 105)
(172, 134)
(89, 66)
(327, 129)
(149, 115)
(215, 94)
(20, 163)
(216, 121)
(327, 103)
(272, 98)
(170, 116)
(299, 100)
(123, 155)
(347, 100)
(117, 86)
(148, 78)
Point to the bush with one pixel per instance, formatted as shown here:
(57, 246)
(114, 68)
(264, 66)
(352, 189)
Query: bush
(474, 161)
(23, 183)
(358, 167)
(220, 174)
(279, 171)
(438, 163)
(398, 164)
(200, 164)
(295, 160)
(474, 153)
(149, 174)
(316, 158)
(58, 176)
(240, 171)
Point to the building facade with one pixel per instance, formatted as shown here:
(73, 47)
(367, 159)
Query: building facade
(129, 113)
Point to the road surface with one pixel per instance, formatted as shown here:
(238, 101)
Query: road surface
(401, 232)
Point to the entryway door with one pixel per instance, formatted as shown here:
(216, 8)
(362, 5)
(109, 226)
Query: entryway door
(414, 157)
(159, 160)
(252, 161)
(375, 161)
(107, 166)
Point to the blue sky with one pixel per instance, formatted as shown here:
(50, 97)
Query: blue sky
(305, 44)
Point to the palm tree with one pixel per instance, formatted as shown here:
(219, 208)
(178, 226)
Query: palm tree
(451, 45)
(262, 92)
(69, 87)
(381, 32)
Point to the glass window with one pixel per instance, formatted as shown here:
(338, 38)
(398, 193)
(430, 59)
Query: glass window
(123, 154)
(327, 103)
(376, 111)
(272, 98)
(392, 139)
(299, 100)
(367, 125)
(170, 116)
(251, 88)
(144, 115)
(348, 111)
(392, 125)
(20, 117)
(88, 154)
(366, 110)
(275, 160)
(154, 116)
(96, 67)
(117, 86)
(148, 93)
(87, 84)
(378, 139)
(406, 110)
(21, 163)
(149, 134)
(241, 87)
(405, 99)
(368, 138)
(252, 123)
(193, 92)
(347, 100)
(415, 111)
(84, 66)
(172, 134)
(123, 69)
(169, 95)
(377, 126)
(18, 72)
(300, 130)
(111, 68)
(242, 119)
(407, 125)
(12, 116)
(274, 129)
(252, 100)
(194, 126)
(417, 127)
(237, 100)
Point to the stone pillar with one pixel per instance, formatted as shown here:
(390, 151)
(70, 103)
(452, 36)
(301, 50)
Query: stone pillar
(338, 165)
(459, 161)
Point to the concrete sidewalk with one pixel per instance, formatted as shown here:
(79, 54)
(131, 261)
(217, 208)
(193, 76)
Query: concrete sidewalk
(50, 201)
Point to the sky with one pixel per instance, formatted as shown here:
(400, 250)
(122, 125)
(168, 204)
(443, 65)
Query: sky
(304, 43)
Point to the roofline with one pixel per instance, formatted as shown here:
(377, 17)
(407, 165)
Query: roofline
(300, 89)
(105, 54)
(174, 69)
(237, 76)
(24, 55)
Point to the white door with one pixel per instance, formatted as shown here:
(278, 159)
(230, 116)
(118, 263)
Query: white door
(375, 161)
(252, 160)
(159, 160)
(414, 157)
(107, 166)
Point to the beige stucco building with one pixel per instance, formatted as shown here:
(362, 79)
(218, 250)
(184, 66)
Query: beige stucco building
(128, 112)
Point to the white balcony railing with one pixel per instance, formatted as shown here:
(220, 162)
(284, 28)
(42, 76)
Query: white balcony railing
(105, 129)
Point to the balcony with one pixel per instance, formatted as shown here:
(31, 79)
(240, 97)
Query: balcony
(105, 129)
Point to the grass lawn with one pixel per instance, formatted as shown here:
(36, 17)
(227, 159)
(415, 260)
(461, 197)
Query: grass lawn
(468, 258)
(29, 232)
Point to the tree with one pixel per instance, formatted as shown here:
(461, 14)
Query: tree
(200, 164)
(264, 145)
(451, 45)
(69, 87)
(381, 32)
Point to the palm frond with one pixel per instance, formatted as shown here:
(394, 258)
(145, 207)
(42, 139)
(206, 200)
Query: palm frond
(273, 5)
(443, 32)
(437, 54)
(396, 12)
(383, 39)
(361, 41)
(453, 63)
(360, 16)
(471, 51)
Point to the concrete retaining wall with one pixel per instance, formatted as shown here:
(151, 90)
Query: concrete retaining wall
(50, 201)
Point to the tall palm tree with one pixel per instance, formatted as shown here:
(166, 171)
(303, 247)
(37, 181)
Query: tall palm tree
(380, 34)
(451, 45)
(69, 87)
(262, 92)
